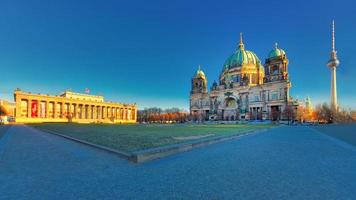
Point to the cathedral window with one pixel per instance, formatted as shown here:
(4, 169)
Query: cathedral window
(257, 98)
(274, 96)
(275, 70)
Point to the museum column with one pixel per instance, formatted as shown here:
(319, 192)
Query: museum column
(55, 109)
(29, 102)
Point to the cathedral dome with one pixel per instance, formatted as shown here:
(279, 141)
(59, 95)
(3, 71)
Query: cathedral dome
(276, 52)
(199, 74)
(241, 57)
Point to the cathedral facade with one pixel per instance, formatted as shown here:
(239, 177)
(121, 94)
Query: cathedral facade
(246, 90)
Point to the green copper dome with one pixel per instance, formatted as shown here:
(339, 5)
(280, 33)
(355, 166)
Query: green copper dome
(241, 57)
(276, 52)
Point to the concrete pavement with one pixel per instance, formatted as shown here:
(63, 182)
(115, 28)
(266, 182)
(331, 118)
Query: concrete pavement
(282, 163)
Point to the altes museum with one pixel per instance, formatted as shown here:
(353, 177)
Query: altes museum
(70, 107)
(246, 89)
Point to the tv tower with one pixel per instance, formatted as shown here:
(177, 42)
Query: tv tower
(332, 64)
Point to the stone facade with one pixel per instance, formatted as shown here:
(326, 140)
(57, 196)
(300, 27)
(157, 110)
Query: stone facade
(247, 90)
(71, 107)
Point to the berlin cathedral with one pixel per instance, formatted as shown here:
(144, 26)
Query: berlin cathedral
(246, 90)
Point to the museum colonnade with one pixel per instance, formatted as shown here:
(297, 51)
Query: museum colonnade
(34, 108)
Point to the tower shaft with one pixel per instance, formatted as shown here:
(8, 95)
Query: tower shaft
(333, 91)
(332, 64)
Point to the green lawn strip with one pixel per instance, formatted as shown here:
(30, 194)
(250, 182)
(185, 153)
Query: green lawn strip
(130, 138)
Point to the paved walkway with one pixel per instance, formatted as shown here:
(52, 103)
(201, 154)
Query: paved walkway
(283, 163)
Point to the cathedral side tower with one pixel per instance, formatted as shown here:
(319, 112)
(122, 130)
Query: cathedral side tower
(199, 83)
(199, 96)
(276, 65)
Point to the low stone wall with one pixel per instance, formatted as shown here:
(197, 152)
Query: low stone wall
(155, 153)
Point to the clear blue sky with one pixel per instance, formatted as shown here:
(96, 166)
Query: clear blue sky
(147, 51)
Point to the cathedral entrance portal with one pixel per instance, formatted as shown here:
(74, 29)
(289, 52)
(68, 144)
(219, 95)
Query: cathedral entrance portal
(275, 113)
(230, 111)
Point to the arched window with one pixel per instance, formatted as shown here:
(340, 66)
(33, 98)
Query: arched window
(230, 103)
(275, 70)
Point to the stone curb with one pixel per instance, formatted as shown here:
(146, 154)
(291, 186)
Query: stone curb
(158, 152)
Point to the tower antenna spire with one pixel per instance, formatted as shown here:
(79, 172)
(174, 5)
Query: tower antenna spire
(333, 36)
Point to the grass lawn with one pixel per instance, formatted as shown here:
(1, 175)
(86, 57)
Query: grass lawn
(130, 138)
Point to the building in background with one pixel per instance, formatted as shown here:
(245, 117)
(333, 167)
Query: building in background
(7, 111)
(246, 89)
(70, 107)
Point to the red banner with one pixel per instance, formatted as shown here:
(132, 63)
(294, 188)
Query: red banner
(34, 108)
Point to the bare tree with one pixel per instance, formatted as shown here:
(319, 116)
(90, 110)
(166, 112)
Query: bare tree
(324, 113)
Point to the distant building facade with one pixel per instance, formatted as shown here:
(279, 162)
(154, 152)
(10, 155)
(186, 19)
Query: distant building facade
(7, 111)
(246, 89)
(70, 107)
